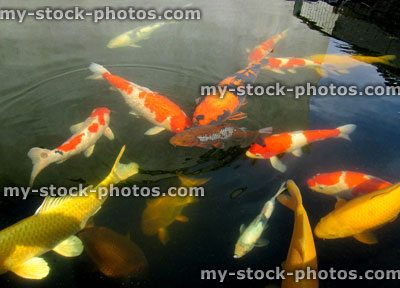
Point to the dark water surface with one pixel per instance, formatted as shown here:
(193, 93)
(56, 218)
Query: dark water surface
(43, 66)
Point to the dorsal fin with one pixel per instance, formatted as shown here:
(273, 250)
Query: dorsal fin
(51, 202)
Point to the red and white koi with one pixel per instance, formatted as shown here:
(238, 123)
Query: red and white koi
(280, 65)
(84, 139)
(261, 51)
(346, 184)
(154, 107)
(292, 142)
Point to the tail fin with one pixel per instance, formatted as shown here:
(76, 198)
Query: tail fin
(192, 182)
(294, 200)
(39, 159)
(120, 172)
(280, 190)
(97, 70)
(346, 130)
(386, 59)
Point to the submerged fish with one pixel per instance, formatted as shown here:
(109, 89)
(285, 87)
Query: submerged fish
(250, 236)
(346, 184)
(131, 37)
(280, 65)
(261, 51)
(302, 254)
(216, 108)
(85, 137)
(114, 255)
(154, 107)
(358, 217)
(165, 210)
(53, 227)
(341, 63)
(292, 142)
(216, 134)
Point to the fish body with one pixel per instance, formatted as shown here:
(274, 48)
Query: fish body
(113, 254)
(292, 142)
(53, 228)
(250, 235)
(359, 216)
(261, 51)
(132, 37)
(216, 108)
(165, 210)
(84, 139)
(215, 135)
(346, 184)
(280, 65)
(341, 63)
(302, 253)
(152, 106)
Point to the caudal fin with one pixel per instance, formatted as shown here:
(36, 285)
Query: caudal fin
(97, 70)
(294, 200)
(120, 171)
(386, 59)
(192, 182)
(346, 130)
(40, 159)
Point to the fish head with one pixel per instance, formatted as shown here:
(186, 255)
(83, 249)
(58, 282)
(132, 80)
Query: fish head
(184, 138)
(330, 228)
(180, 123)
(241, 249)
(327, 183)
(102, 114)
(119, 41)
(256, 151)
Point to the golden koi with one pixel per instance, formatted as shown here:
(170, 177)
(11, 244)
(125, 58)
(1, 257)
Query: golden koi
(358, 217)
(302, 252)
(53, 227)
(163, 211)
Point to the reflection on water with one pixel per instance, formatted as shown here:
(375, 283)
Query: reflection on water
(44, 91)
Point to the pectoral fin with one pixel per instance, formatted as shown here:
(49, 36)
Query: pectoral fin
(277, 164)
(109, 134)
(71, 247)
(34, 268)
(155, 130)
(88, 152)
(133, 113)
(77, 127)
(261, 242)
(182, 218)
(135, 46)
(297, 152)
(366, 238)
(242, 228)
(163, 235)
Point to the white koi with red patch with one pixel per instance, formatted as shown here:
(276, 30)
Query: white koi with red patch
(84, 139)
(346, 184)
(152, 106)
(280, 65)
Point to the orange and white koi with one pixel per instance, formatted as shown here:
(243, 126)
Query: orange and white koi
(293, 142)
(280, 65)
(154, 107)
(261, 51)
(84, 139)
(221, 106)
(346, 184)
